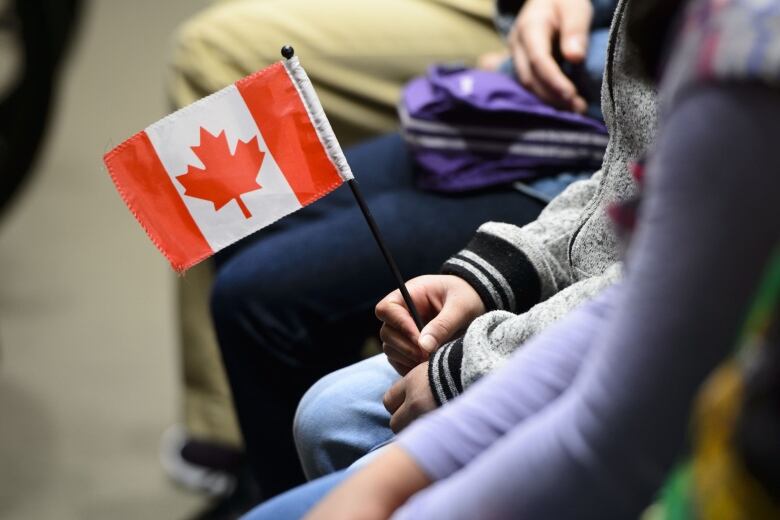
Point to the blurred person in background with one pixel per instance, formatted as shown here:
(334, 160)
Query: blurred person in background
(41, 32)
(733, 471)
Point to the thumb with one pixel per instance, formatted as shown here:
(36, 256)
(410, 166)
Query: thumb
(575, 24)
(441, 328)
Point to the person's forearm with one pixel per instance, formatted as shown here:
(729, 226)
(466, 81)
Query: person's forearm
(451, 437)
(492, 338)
(707, 228)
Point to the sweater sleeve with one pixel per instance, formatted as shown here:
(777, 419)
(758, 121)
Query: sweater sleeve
(493, 337)
(600, 450)
(512, 269)
(535, 377)
(519, 270)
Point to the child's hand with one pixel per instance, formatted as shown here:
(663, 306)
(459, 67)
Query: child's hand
(446, 302)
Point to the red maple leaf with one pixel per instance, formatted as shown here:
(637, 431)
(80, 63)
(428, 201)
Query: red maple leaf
(225, 176)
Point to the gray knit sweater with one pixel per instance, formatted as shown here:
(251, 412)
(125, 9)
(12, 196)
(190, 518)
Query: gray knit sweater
(529, 277)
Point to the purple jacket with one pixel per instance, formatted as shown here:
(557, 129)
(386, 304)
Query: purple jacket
(469, 129)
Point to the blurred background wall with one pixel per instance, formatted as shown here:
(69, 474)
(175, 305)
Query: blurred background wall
(87, 364)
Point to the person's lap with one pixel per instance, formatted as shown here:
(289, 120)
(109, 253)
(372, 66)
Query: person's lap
(573, 337)
(341, 417)
(381, 165)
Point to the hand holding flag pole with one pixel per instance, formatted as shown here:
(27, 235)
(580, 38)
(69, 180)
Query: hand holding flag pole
(287, 53)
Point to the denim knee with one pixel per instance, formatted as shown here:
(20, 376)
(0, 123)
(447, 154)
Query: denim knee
(316, 421)
(341, 417)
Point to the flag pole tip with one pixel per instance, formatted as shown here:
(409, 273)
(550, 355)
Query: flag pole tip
(288, 52)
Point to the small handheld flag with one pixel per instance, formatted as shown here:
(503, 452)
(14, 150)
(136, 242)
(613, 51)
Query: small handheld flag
(232, 163)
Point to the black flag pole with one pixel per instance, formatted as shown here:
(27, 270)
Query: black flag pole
(288, 52)
(353, 185)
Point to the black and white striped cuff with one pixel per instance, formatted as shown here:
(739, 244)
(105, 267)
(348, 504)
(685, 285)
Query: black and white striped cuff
(501, 274)
(444, 372)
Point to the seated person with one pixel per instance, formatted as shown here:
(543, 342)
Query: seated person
(342, 43)
(534, 275)
(295, 303)
(588, 418)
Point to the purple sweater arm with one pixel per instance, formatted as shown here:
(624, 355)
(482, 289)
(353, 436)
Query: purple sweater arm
(521, 445)
(536, 376)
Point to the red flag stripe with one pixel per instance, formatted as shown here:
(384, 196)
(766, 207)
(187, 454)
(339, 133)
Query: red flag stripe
(277, 109)
(147, 190)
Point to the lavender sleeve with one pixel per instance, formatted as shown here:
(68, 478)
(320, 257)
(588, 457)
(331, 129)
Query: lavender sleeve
(601, 446)
(537, 374)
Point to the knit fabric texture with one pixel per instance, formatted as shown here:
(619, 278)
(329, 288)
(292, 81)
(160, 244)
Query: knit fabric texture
(570, 253)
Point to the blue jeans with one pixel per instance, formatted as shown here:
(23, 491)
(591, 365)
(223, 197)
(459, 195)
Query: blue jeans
(295, 301)
(341, 417)
(297, 502)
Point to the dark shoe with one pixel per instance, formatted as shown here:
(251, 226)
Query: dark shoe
(202, 466)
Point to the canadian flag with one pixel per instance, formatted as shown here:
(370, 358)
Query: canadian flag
(230, 164)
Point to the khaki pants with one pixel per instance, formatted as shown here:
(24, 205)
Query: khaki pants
(358, 54)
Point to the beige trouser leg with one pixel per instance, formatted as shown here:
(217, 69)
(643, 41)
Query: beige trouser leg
(358, 53)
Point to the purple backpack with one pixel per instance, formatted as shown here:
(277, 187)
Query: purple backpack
(471, 129)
